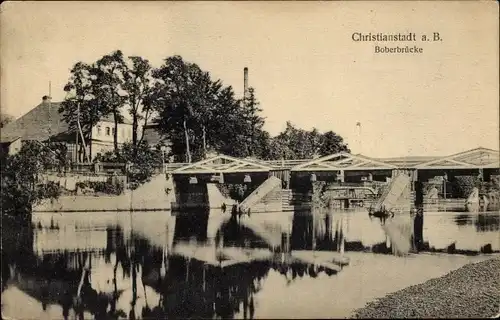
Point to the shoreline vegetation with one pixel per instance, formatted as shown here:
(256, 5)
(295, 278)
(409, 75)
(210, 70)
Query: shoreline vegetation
(471, 291)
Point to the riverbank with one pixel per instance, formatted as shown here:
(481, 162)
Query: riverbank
(155, 195)
(470, 291)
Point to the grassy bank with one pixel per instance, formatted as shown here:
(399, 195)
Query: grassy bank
(469, 292)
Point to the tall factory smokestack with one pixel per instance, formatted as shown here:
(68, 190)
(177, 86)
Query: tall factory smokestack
(245, 83)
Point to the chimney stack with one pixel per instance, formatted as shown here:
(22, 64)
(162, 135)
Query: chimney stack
(245, 82)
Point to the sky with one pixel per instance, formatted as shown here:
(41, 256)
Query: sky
(302, 62)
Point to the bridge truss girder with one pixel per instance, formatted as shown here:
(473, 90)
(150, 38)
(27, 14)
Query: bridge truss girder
(343, 161)
(479, 158)
(223, 164)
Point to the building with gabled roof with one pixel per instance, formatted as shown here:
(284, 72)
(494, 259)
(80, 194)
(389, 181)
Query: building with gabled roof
(44, 123)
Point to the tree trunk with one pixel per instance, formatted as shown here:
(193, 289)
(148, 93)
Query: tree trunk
(204, 142)
(135, 125)
(188, 152)
(81, 153)
(115, 134)
(90, 145)
(90, 135)
(144, 126)
(77, 150)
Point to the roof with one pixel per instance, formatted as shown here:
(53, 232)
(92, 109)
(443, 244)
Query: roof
(222, 163)
(343, 161)
(111, 118)
(8, 140)
(39, 124)
(470, 159)
(409, 161)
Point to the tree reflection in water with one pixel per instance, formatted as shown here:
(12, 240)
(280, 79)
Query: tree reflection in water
(195, 290)
(188, 289)
(463, 219)
(133, 274)
(318, 232)
(484, 222)
(487, 222)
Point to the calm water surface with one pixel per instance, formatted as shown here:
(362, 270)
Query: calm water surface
(155, 265)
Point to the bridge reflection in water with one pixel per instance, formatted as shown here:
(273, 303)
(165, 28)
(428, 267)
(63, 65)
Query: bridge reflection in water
(152, 264)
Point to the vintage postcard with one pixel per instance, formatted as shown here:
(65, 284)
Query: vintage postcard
(250, 159)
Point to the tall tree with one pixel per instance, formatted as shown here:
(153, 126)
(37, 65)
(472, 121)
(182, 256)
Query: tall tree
(331, 143)
(295, 143)
(110, 78)
(227, 130)
(180, 98)
(251, 110)
(204, 107)
(211, 125)
(83, 104)
(137, 85)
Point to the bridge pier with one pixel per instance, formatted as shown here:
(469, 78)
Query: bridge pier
(418, 219)
(190, 193)
(201, 190)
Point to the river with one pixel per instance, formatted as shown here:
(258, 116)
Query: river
(206, 265)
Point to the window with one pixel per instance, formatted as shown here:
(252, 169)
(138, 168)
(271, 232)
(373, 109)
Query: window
(123, 132)
(113, 131)
(99, 130)
(107, 131)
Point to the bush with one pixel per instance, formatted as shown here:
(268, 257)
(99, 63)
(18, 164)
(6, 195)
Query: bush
(20, 183)
(107, 187)
(50, 190)
(143, 162)
(462, 186)
(492, 186)
(236, 191)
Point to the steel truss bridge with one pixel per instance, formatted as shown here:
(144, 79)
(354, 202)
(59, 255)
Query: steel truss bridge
(475, 159)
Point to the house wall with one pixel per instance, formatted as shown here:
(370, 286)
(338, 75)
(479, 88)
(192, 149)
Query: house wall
(103, 136)
(103, 132)
(101, 147)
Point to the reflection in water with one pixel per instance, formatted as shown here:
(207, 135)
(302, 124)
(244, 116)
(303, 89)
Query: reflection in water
(462, 219)
(234, 234)
(487, 222)
(192, 226)
(126, 265)
(484, 222)
(119, 273)
(196, 290)
(321, 231)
